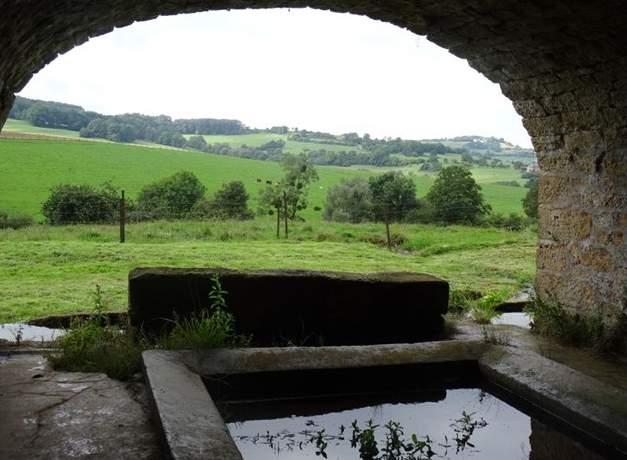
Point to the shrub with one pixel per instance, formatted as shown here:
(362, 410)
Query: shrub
(90, 346)
(81, 204)
(231, 202)
(14, 221)
(94, 345)
(197, 143)
(349, 201)
(513, 222)
(172, 197)
(202, 209)
(423, 214)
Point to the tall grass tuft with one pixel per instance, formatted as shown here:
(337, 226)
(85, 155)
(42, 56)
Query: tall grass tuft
(90, 346)
(483, 310)
(95, 345)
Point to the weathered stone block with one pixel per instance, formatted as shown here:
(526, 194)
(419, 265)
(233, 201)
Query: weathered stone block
(598, 258)
(558, 190)
(564, 224)
(279, 306)
(553, 256)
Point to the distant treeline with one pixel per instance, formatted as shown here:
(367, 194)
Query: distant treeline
(359, 150)
(120, 128)
(374, 155)
(188, 133)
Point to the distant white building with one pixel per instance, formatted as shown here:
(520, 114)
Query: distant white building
(533, 168)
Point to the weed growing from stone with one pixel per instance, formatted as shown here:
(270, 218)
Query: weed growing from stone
(209, 328)
(88, 346)
(95, 345)
(461, 300)
(550, 319)
(483, 310)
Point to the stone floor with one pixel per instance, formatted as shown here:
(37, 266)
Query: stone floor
(611, 370)
(57, 415)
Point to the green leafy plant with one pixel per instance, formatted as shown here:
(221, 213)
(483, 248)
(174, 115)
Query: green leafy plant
(99, 305)
(396, 446)
(208, 328)
(464, 427)
(95, 345)
(88, 346)
(461, 300)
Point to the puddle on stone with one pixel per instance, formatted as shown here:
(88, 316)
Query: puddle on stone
(28, 333)
(487, 427)
(514, 319)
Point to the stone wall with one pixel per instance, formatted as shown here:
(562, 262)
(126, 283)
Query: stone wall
(279, 307)
(561, 62)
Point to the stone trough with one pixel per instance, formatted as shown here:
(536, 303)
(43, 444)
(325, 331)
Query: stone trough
(377, 325)
(298, 307)
(192, 427)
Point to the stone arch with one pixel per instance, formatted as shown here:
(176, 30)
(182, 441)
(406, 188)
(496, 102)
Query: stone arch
(562, 63)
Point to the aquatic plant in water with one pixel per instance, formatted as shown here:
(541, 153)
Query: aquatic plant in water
(395, 446)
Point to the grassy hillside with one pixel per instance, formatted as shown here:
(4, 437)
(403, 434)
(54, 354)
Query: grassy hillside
(29, 168)
(46, 270)
(258, 139)
(20, 126)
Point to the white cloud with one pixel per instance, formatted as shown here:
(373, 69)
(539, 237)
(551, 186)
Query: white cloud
(304, 68)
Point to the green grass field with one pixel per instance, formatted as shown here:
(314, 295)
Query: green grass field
(53, 270)
(20, 126)
(30, 167)
(258, 139)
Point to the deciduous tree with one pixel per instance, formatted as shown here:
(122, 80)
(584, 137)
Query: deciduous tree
(456, 197)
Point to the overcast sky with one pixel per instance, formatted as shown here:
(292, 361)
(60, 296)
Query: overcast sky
(301, 68)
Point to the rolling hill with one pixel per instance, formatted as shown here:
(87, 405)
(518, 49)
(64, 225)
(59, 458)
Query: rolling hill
(33, 159)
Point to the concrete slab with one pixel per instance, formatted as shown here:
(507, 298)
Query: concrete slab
(250, 360)
(580, 401)
(191, 424)
(56, 415)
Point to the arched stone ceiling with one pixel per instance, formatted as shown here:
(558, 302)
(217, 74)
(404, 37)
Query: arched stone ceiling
(537, 41)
